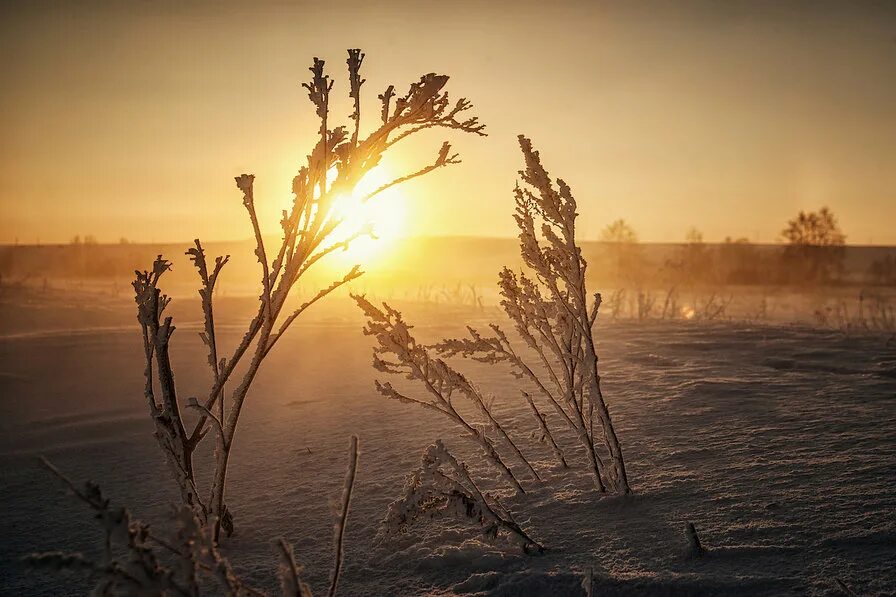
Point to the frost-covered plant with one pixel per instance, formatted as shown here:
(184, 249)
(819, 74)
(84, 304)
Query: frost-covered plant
(646, 302)
(616, 303)
(712, 308)
(544, 434)
(882, 316)
(398, 353)
(872, 313)
(132, 563)
(549, 307)
(311, 230)
(670, 304)
(136, 561)
(345, 503)
(623, 255)
(442, 488)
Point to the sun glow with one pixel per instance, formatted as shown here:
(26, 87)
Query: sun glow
(380, 220)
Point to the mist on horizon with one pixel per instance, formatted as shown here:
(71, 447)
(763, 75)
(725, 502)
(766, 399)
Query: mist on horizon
(130, 122)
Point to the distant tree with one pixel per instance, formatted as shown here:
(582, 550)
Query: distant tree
(817, 229)
(815, 251)
(623, 253)
(693, 236)
(619, 232)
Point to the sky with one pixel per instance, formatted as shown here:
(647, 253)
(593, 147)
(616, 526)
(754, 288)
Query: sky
(130, 119)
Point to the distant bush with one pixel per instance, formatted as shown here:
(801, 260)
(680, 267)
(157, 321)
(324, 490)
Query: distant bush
(623, 257)
(815, 251)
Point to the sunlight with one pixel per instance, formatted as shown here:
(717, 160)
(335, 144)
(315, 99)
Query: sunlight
(384, 214)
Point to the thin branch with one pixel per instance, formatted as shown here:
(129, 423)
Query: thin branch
(290, 580)
(443, 159)
(543, 424)
(355, 58)
(245, 183)
(354, 273)
(350, 474)
(194, 404)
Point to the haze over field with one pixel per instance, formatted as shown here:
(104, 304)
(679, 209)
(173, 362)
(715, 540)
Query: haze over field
(127, 119)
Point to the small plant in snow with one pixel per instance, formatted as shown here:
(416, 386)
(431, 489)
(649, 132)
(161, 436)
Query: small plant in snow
(442, 487)
(616, 303)
(136, 561)
(646, 302)
(713, 308)
(671, 310)
(549, 307)
(311, 230)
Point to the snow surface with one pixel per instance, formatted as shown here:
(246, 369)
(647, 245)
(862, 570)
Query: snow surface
(778, 442)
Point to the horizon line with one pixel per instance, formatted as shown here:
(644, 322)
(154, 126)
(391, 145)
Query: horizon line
(458, 237)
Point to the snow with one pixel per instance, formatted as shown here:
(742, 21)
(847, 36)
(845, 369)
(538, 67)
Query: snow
(777, 441)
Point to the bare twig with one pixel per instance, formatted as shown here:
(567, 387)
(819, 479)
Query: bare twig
(291, 584)
(343, 515)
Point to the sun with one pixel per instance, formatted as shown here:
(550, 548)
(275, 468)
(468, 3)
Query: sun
(384, 216)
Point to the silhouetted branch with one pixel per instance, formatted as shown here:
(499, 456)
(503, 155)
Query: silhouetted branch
(337, 162)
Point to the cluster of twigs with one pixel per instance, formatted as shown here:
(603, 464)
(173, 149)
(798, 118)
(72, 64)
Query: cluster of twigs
(871, 314)
(442, 486)
(713, 308)
(549, 307)
(643, 305)
(311, 231)
(398, 353)
(137, 561)
(550, 310)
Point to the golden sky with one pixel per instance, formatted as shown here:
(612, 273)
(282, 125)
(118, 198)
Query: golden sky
(130, 119)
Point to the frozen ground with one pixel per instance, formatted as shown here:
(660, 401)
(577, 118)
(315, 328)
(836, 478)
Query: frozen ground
(777, 442)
